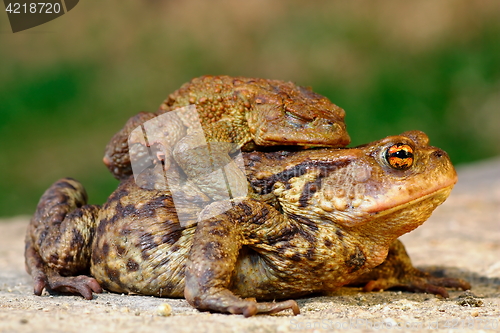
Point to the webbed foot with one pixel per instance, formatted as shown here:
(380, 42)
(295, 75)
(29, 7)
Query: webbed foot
(264, 307)
(226, 301)
(418, 281)
(398, 272)
(80, 285)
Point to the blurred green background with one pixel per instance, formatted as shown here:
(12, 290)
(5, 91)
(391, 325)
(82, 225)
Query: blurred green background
(67, 86)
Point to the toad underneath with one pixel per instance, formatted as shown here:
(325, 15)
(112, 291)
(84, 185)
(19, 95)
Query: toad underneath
(313, 221)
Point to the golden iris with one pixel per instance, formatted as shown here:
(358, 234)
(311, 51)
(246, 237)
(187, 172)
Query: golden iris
(400, 156)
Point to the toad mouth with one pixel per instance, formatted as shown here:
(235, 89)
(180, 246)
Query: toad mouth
(384, 209)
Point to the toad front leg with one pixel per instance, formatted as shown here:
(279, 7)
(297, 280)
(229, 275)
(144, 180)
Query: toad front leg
(213, 256)
(398, 272)
(58, 240)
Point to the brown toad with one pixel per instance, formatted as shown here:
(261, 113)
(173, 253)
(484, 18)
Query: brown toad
(315, 220)
(248, 112)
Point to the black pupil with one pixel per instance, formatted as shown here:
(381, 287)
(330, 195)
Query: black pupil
(402, 154)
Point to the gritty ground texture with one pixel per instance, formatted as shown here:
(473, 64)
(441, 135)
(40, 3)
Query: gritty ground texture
(462, 239)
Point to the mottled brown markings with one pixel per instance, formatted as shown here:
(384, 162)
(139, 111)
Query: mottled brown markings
(96, 257)
(105, 285)
(164, 260)
(207, 279)
(65, 184)
(339, 234)
(114, 276)
(213, 251)
(58, 199)
(145, 255)
(77, 239)
(175, 248)
(105, 249)
(310, 254)
(54, 257)
(77, 213)
(120, 250)
(259, 218)
(264, 211)
(68, 259)
(310, 230)
(58, 214)
(308, 191)
(256, 219)
(127, 210)
(132, 265)
(283, 235)
(356, 260)
(319, 266)
(109, 221)
(101, 228)
(149, 208)
(328, 243)
(218, 232)
(166, 289)
(118, 194)
(304, 221)
(247, 210)
(281, 239)
(313, 186)
(125, 231)
(326, 167)
(240, 219)
(253, 156)
(172, 237)
(42, 237)
(172, 231)
(57, 239)
(159, 201)
(147, 241)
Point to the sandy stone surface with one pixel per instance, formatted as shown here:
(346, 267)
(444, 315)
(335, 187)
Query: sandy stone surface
(461, 239)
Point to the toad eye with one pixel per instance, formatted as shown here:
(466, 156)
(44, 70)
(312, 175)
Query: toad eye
(295, 120)
(400, 156)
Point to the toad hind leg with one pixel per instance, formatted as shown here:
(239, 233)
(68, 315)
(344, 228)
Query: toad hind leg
(397, 271)
(212, 261)
(59, 238)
